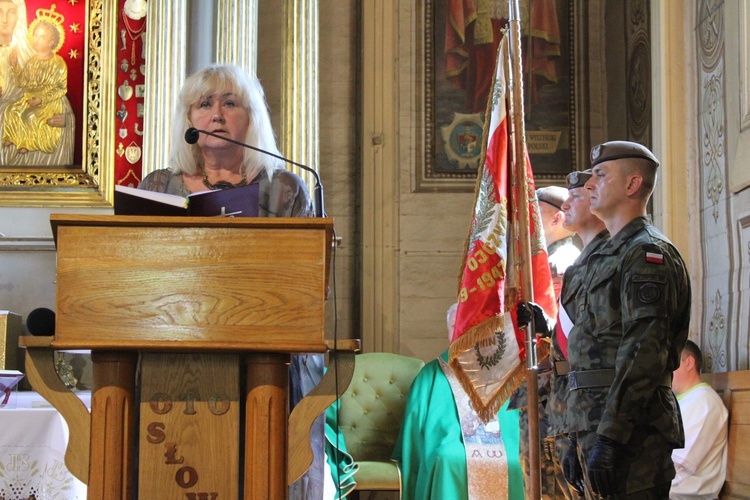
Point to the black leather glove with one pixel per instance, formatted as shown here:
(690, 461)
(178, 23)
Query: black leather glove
(602, 465)
(542, 324)
(572, 467)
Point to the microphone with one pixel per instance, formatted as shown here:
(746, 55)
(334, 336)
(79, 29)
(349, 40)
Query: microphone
(41, 321)
(191, 137)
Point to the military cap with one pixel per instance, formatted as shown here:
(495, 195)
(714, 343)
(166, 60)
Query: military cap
(615, 150)
(554, 195)
(577, 179)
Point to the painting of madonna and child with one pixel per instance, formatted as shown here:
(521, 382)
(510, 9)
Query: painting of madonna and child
(42, 51)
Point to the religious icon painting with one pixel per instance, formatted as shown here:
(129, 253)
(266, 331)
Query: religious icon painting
(40, 71)
(54, 155)
(461, 44)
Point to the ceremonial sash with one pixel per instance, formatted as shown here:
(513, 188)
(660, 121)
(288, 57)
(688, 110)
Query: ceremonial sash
(562, 329)
(486, 459)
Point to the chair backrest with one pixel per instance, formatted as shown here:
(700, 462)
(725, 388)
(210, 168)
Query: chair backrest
(373, 406)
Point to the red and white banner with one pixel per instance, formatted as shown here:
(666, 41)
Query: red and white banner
(487, 351)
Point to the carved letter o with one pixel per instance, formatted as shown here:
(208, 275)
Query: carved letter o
(218, 404)
(160, 403)
(186, 477)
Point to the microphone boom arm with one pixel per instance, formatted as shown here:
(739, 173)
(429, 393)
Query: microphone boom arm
(191, 136)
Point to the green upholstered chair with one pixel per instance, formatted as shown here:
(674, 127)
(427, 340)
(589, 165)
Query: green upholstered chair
(370, 415)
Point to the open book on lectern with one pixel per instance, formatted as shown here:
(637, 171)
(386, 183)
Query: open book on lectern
(233, 202)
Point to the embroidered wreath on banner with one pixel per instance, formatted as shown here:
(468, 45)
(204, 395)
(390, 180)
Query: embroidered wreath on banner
(485, 208)
(497, 93)
(488, 362)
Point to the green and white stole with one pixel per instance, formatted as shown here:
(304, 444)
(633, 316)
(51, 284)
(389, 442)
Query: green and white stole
(486, 460)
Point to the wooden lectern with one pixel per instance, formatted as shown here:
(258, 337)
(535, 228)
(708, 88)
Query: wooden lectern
(193, 303)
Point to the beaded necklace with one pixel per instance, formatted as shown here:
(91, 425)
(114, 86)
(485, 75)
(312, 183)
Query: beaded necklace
(223, 184)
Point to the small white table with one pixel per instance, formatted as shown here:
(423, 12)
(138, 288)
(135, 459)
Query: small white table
(33, 439)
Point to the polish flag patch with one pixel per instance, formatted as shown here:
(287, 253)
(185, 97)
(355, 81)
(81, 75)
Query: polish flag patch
(654, 258)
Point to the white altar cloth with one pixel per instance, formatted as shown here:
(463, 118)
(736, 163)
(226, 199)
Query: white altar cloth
(33, 438)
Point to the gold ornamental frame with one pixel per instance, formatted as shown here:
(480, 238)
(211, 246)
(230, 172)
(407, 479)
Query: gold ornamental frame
(89, 184)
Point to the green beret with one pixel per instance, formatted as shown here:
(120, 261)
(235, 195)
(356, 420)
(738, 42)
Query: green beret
(577, 179)
(554, 195)
(615, 150)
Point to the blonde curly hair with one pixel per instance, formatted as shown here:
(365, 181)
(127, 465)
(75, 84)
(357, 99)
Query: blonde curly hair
(218, 79)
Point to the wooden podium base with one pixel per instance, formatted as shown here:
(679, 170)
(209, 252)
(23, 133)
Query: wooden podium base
(189, 442)
(247, 291)
(190, 417)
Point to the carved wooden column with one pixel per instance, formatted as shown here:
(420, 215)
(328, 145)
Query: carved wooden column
(266, 409)
(111, 462)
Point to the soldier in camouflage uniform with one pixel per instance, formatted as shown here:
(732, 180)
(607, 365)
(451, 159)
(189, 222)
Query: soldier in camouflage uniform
(562, 252)
(630, 327)
(591, 230)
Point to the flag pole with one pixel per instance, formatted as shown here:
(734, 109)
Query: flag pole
(522, 206)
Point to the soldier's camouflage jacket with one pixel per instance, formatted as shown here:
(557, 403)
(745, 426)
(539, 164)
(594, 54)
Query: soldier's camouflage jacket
(571, 287)
(562, 254)
(632, 317)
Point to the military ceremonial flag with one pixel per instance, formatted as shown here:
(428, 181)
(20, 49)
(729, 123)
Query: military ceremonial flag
(487, 350)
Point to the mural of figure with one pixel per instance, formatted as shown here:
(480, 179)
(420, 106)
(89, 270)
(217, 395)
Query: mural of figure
(473, 32)
(37, 121)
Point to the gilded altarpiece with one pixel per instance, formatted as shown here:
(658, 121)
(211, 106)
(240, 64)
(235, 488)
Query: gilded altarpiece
(85, 37)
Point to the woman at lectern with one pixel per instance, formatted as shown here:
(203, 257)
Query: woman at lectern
(223, 102)
(228, 103)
